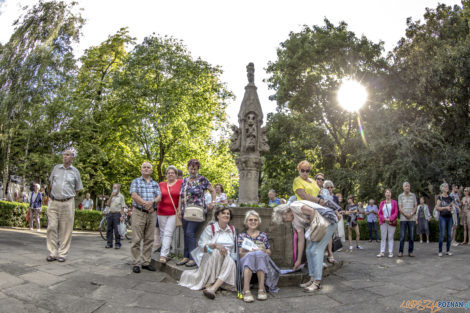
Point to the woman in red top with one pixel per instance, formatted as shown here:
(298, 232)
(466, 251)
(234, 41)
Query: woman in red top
(166, 212)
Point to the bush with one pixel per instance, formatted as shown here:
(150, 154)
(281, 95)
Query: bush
(13, 214)
(433, 231)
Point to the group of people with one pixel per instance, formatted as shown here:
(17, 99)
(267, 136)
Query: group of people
(315, 214)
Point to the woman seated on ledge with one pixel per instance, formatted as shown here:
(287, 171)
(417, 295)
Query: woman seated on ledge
(300, 214)
(213, 256)
(257, 259)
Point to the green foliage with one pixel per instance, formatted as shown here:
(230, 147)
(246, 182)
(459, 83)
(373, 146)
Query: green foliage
(13, 214)
(118, 107)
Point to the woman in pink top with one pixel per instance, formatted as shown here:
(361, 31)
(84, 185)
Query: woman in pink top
(388, 213)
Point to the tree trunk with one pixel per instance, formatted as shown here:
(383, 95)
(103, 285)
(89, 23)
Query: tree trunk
(6, 165)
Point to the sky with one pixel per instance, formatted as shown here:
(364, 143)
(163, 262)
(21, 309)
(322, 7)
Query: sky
(231, 34)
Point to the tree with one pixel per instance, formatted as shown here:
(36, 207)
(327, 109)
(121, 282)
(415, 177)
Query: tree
(308, 71)
(172, 109)
(431, 79)
(35, 63)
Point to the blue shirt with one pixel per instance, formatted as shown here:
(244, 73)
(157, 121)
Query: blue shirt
(273, 203)
(372, 218)
(148, 191)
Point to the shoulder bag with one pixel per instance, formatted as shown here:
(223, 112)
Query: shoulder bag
(178, 221)
(192, 213)
(318, 227)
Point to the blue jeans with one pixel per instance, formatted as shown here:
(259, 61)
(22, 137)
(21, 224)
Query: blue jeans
(410, 225)
(445, 224)
(190, 229)
(315, 251)
(372, 226)
(113, 220)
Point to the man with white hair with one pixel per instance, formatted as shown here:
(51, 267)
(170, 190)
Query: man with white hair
(407, 205)
(146, 194)
(64, 183)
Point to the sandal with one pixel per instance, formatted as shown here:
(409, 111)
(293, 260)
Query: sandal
(331, 260)
(190, 264)
(162, 260)
(307, 284)
(262, 295)
(313, 287)
(183, 261)
(209, 294)
(248, 297)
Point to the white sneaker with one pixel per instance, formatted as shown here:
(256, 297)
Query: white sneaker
(439, 254)
(350, 248)
(427, 241)
(380, 255)
(420, 241)
(360, 248)
(390, 255)
(449, 253)
(455, 244)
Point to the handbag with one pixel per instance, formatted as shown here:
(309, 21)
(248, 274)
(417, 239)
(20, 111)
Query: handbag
(28, 215)
(337, 244)
(318, 227)
(393, 223)
(193, 213)
(178, 221)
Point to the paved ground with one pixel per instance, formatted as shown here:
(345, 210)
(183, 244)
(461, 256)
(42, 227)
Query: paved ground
(95, 279)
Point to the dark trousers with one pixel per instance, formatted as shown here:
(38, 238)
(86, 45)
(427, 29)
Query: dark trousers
(445, 226)
(113, 220)
(372, 226)
(190, 229)
(410, 225)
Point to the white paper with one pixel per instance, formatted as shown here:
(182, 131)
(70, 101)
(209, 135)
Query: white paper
(249, 245)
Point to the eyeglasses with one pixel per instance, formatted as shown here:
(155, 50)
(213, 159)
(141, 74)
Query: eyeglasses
(329, 187)
(252, 220)
(320, 179)
(304, 171)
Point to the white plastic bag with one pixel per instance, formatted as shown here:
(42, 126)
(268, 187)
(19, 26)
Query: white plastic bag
(122, 228)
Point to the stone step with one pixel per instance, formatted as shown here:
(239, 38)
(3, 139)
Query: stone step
(285, 280)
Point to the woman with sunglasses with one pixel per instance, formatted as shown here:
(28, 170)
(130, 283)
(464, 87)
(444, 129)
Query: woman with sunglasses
(305, 189)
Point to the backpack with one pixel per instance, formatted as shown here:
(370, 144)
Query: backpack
(231, 228)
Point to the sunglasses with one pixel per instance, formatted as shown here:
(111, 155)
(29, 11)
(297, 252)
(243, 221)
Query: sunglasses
(320, 179)
(304, 171)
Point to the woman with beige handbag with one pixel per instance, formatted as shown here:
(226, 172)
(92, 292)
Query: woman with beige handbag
(192, 208)
(319, 224)
(167, 209)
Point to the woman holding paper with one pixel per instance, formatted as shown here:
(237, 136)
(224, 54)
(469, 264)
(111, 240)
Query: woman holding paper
(213, 256)
(255, 255)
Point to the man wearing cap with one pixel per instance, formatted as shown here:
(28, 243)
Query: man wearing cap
(145, 194)
(64, 182)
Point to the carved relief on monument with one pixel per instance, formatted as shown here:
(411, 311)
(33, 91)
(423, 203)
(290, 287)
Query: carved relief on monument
(235, 139)
(263, 145)
(251, 132)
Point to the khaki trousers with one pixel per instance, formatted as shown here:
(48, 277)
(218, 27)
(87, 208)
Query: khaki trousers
(60, 217)
(143, 226)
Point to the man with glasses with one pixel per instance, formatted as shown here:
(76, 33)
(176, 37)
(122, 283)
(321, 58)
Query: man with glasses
(65, 182)
(146, 194)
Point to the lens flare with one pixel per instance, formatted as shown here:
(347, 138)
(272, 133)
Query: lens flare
(361, 130)
(351, 95)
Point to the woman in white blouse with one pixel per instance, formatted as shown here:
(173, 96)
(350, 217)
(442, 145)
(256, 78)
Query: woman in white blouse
(213, 256)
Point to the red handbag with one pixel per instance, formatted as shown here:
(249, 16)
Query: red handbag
(28, 215)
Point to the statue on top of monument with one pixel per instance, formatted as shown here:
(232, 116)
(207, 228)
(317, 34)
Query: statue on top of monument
(250, 69)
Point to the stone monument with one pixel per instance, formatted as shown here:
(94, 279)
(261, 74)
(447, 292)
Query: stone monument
(249, 141)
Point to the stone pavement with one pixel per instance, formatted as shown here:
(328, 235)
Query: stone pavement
(95, 279)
